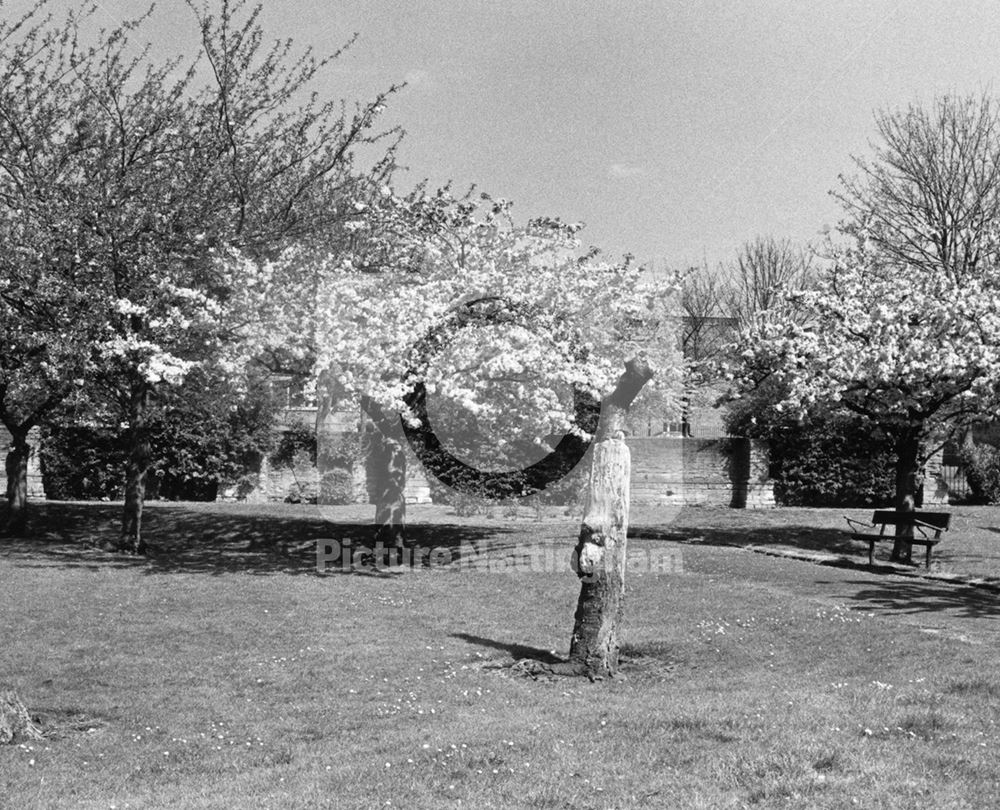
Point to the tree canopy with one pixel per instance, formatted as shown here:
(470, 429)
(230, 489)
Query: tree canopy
(571, 319)
(902, 327)
(125, 185)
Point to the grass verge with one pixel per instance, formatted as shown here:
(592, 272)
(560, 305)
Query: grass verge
(227, 672)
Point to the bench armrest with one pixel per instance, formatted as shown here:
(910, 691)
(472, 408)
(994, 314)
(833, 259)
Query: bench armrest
(858, 524)
(936, 529)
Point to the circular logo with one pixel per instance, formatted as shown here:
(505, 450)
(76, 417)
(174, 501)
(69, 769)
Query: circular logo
(466, 478)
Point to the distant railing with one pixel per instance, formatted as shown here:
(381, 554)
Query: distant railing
(953, 477)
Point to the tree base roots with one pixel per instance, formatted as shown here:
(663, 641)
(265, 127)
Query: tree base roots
(16, 724)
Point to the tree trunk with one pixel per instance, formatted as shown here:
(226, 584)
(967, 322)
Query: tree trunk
(907, 467)
(16, 725)
(136, 467)
(686, 413)
(602, 546)
(600, 560)
(387, 474)
(17, 482)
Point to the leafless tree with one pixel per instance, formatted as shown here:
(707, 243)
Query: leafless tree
(702, 301)
(764, 268)
(930, 195)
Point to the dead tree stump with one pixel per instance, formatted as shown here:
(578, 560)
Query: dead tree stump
(16, 724)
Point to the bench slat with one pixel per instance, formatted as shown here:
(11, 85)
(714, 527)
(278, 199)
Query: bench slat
(939, 520)
(881, 518)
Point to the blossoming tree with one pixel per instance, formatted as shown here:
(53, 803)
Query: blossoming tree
(902, 329)
(44, 317)
(453, 314)
(916, 354)
(142, 178)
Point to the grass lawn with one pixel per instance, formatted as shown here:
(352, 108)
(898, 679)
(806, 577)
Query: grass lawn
(970, 547)
(226, 672)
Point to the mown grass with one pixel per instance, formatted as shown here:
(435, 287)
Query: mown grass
(227, 672)
(970, 547)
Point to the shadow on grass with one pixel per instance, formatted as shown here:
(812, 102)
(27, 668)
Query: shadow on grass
(651, 659)
(926, 597)
(516, 651)
(191, 539)
(807, 538)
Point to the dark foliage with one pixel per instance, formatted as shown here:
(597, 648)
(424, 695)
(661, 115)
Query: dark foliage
(204, 435)
(833, 464)
(294, 439)
(825, 459)
(982, 470)
(82, 462)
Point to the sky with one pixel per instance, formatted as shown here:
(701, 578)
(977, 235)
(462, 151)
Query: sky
(677, 131)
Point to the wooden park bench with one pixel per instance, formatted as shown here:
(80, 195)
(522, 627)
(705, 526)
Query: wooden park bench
(923, 523)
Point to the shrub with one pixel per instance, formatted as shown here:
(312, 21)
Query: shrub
(982, 471)
(834, 465)
(203, 434)
(293, 440)
(343, 451)
(336, 488)
(302, 492)
(82, 463)
(826, 459)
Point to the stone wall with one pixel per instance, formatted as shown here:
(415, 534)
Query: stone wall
(935, 491)
(666, 469)
(302, 479)
(673, 470)
(35, 488)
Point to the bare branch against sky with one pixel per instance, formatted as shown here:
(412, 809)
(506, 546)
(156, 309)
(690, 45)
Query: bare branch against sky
(677, 131)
